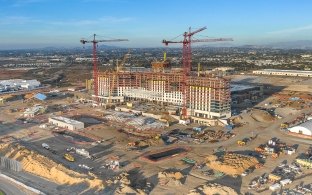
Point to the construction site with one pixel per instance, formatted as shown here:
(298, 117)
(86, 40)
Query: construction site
(197, 96)
(161, 130)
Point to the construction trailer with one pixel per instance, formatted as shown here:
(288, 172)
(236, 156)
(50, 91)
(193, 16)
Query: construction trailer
(207, 97)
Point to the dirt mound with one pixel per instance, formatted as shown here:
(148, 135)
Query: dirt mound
(42, 166)
(261, 116)
(122, 185)
(237, 120)
(170, 178)
(212, 189)
(231, 163)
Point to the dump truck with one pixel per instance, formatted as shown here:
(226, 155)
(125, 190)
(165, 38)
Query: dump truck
(69, 157)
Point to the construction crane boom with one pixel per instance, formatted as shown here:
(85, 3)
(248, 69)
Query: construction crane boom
(187, 59)
(95, 68)
(211, 40)
(194, 32)
(83, 41)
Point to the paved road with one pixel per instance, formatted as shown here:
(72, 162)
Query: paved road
(9, 188)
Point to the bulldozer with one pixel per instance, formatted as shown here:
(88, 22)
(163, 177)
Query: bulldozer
(69, 157)
(241, 143)
(284, 125)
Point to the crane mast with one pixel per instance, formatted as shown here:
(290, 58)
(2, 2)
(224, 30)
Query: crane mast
(187, 60)
(95, 60)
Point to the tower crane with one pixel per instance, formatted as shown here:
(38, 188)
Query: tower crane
(121, 65)
(187, 59)
(95, 68)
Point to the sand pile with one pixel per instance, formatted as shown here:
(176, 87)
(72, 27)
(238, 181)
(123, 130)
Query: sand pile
(170, 178)
(212, 189)
(231, 163)
(261, 116)
(42, 166)
(122, 185)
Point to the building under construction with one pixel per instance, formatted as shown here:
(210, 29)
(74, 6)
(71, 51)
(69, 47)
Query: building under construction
(199, 97)
(207, 97)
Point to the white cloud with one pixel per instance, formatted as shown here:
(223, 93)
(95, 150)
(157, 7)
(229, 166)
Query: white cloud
(292, 30)
(11, 20)
(108, 19)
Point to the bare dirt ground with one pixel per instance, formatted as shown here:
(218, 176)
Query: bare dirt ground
(12, 74)
(114, 145)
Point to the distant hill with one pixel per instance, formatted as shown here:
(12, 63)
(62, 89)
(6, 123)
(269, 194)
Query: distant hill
(300, 44)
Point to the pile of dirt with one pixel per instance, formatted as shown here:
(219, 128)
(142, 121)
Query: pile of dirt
(122, 185)
(42, 166)
(212, 189)
(237, 120)
(231, 163)
(261, 116)
(170, 178)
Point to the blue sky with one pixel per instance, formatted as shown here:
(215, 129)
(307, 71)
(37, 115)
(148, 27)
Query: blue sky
(43, 23)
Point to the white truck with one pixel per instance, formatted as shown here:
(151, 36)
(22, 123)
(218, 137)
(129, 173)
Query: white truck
(46, 146)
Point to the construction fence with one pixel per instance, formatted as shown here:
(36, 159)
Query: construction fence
(11, 164)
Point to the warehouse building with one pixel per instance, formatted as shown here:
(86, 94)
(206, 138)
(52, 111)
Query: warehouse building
(279, 72)
(304, 128)
(18, 84)
(66, 123)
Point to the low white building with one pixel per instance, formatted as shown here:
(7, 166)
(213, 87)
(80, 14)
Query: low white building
(30, 84)
(303, 128)
(66, 123)
(279, 72)
(19, 83)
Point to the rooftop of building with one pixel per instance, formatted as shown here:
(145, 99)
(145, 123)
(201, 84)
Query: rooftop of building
(67, 120)
(34, 109)
(307, 125)
(280, 70)
(14, 82)
(237, 87)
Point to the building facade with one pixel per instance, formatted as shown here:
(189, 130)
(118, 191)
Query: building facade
(206, 97)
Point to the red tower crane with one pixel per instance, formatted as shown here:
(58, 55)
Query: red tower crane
(187, 59)
(95, 68)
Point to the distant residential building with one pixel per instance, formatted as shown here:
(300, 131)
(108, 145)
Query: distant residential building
(278, 72)
(84, 59)
(67, 123)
